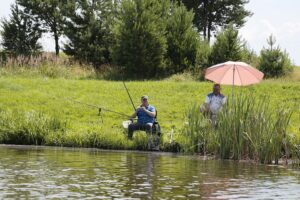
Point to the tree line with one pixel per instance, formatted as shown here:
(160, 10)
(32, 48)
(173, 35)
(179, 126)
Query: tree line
(142, 38)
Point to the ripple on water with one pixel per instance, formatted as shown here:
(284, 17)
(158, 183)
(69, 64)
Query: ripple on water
(76, 174)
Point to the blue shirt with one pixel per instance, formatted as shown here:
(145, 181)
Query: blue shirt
(215, 102)
(143, 117)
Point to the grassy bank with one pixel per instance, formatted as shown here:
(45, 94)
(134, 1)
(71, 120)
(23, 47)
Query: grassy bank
(24, 101)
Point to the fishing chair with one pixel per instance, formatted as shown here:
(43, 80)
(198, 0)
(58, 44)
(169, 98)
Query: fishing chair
(153, 143)
(156, 127)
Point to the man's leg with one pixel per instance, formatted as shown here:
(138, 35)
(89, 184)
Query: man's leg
(133, 127)
(214, 120)
(153, 143)
(148, 128)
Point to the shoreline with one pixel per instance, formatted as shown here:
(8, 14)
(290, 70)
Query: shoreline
(159, 153)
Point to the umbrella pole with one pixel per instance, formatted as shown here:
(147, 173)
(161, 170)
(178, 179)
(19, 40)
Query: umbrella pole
(233, 85)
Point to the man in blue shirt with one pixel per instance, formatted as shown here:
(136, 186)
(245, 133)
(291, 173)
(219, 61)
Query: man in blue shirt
(214, 103)
(146, 117)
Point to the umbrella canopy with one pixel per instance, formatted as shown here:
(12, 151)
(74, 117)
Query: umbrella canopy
(234, 73)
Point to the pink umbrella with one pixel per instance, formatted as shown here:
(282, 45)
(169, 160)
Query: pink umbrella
(234, 73)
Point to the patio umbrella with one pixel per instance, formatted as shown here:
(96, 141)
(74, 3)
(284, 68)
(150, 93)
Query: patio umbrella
(234, 73)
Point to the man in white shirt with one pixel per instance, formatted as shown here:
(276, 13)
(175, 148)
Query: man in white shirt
(214, 103)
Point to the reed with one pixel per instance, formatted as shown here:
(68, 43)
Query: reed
(197, 135)
(249, 128)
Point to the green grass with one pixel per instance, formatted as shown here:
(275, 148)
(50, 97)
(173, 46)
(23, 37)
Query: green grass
(58, 121)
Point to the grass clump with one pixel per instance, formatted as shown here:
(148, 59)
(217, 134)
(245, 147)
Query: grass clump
(197, 135)
(19, 127)
(249, 128)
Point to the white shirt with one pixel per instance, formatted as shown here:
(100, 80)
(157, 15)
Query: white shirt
(215, 102)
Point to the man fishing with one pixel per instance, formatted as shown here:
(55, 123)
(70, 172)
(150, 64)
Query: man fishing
(213, 103)
(146, 117)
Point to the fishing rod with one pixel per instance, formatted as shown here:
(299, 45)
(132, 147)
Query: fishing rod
(98, 107)
(129, 96)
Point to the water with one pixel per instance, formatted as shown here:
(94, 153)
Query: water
(62, 173)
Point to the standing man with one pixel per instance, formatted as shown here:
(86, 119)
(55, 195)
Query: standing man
(146, 117)
(214, 103)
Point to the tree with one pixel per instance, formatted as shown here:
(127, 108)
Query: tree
(248, 55)
(87, 28)
(140, 37)
(182, 40)
(273, 61)
(228, 46)
(210, 15)
(49, 13)
(21, 33)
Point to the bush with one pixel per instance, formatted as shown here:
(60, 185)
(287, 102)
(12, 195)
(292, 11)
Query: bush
(140, 38)
(227, 47)
(273, 61)
(183, 40)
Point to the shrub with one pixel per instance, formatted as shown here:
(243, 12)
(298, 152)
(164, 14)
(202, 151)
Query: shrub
(273, 61)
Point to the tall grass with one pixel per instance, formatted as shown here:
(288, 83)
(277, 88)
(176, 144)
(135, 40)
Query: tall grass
(19, 127)
(197, 135)
(36, 128)
(45, 65)
(249, 128)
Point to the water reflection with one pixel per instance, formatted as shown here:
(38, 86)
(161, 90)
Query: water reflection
(55, 173)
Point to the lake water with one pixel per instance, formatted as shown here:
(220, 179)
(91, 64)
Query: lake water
(28, 172)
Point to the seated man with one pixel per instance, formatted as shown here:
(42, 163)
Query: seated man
(146, 117)
(214, 103)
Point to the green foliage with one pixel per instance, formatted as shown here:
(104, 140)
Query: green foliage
(140, 37)
(273, 61)
(49, 13)
(182, 39)
(20, 34)
(18, 127)
(252, 129)
(203, 53)
(228, 46)
(198, 135)
(87, 28)
(31, 93)
(211, 15)
(247, 129)
(248, 55)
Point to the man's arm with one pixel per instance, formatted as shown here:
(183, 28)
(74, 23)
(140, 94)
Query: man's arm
(151, 113)
(134, 115)
(224, 101)
(206, 103)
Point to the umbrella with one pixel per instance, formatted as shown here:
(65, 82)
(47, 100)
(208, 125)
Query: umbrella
(234, 73)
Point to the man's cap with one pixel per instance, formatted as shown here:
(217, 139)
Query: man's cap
(144, 97)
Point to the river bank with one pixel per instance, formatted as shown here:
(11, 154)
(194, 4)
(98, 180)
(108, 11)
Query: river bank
(38, 110)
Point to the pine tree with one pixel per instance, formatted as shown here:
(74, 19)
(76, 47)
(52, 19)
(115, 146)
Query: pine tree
(182, 39)
(88, 30)
(273, 61)
(49, 13)
(140, 37)
(20, 34)
(211, 15)
(227, 46)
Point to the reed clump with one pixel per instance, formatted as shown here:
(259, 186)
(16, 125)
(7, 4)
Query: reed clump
(248, 128)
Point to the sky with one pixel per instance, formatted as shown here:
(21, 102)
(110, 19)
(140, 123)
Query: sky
(277, 17)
